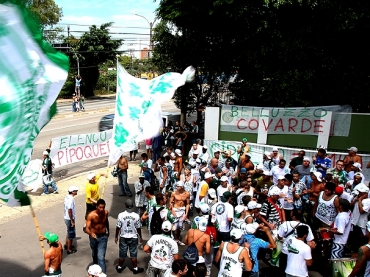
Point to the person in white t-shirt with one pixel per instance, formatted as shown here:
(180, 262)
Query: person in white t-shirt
(224, 213)
(69, 218)
(223, 187)
(279, 170)
(163, 251)
(341, 229)
(128, 228)
(299, 254)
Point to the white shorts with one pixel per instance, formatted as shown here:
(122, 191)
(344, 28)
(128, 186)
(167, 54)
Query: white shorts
(148, 147)
(179, 218)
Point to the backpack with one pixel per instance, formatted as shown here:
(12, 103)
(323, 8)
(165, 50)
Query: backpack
(191, 255)
(154, 182)
(156, 222)
(169, 174)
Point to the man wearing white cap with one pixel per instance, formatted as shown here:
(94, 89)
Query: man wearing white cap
(363, 257)
(47, 171)
(210, 199)
(163, 251)
(95, 271)
(224, 213)
(163, 174)
(272, 210)
(361, 208)
(255, 244)
(140, 198)
(204, 155)
(268, 164)
(279, 170)
(232, 257)
(203, 188)
(69, 218)
(351, 158)
(180, 205)
(177, 167)
(275, 156)
(92, 191)
(355, 169)
(263, 186)
(239, 214)
(304, 169)
(223, 187)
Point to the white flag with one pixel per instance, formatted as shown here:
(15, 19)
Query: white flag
(138, 113)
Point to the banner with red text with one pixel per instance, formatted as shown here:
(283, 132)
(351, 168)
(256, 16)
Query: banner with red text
(76, 148)
(298, 120)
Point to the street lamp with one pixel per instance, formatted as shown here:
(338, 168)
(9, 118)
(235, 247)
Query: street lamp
(150, 29)
(78, 61)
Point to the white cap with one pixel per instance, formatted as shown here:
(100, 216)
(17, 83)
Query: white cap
(354, 149)
(236, 233)
(90, 176)
(166, 226)
(205, 147)
(239, 209)
(251, 228)
(204, 207)
(141, 175)
(192, 163)
(96, 271)
(72, 188)
(281, 177)
(266, 172)
(198, 161)
(212, 193)
(180, 184)
(266, 153)
(178, 152)
(362, 188)
(260, 166)
(275, 149)
(196, 152)
(208, 175)
(318, 176)
(254, 205)
(306, 159)
(274, 191)
(45, 153)
(202, 225)
(358, 165)
(224, 179)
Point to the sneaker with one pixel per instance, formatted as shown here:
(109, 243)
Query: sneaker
(187, 221)
(71, 252)
(138, 270)
(56, 192)
(44, 193)
(180, 242)
(119, 269)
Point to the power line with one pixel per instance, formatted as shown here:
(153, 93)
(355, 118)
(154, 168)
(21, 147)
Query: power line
(75, 24)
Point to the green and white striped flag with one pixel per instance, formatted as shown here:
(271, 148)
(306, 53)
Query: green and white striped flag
(138, 112)
(32, 74)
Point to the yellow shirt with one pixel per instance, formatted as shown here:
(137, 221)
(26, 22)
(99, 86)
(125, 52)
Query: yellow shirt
(92, 190)
(203, 189)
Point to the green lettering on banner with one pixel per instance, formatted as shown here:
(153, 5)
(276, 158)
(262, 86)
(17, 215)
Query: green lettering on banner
(61, 146)
(88, 138)
(70, 140)
(234, 111)
(262, 114)
(304, 113)
(97, 139)
(103, 136)
(289, 112)
(276, 112)
(244, 112)
(317, 112)
(255, 115)
(78, 140)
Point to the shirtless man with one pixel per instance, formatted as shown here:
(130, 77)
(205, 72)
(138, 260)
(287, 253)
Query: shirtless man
(97, 227)
(179, 204)
(163, 176)
(201, 239)
(177, 167)
(54, 256)
(243, 149)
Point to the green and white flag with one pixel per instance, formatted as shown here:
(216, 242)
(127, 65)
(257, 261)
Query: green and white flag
(31, 75)
(138, 114)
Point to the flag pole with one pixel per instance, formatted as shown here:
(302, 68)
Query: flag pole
(105, 183)
(37, 228)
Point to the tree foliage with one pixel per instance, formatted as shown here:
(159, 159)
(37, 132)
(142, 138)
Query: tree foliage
(47, 12)
(287, 52)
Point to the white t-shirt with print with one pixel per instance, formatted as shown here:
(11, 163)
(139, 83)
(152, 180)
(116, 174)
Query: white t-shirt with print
(343, 226)
(298, 254)
(69, 203)
(163, 248)
(358, 218)
(223, 211)
(221, 190)
(128, 222)
(286, 228)
(276, 171)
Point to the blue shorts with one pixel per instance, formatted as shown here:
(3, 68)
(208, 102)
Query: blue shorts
(71, 231)
(125, 244)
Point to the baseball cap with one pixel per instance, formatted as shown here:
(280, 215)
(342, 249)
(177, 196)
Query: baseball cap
(208, 175)
(166, 226)
(362, 188)
(321, 147)
(205, 147)
(225, 196)
(274, 191)
(202, 226)
(178, 152)
(254, 205)
(217, 150)
(306, 159)
(141, 175)
(266, 153)
(198, 161)
(129, 204)
(204, 207)
(358, 165)
(353, 148)
(180, 184)
(251, 228)
(244, 140)
(45, 153)
(90, 176)
(224, 179)
(281, 177)
(236, 233)
(238, 210)
(96, 270)
(72, 188)
(267, 173)
(243, 170)
(260, 166)
(318, 176)
(212, 193)
(51, 237)
(339, 190)
(193, 163)
(196, 152)
(275, 149)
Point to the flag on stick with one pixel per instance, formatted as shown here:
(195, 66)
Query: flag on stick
(138, 113)
(31, 75)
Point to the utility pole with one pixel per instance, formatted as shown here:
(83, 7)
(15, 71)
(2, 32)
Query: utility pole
(150, 31)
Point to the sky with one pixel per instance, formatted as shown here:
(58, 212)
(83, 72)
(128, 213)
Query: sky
(132, 28)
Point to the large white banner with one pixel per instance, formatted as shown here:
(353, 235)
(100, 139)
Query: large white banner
(299, 120)
(288, 153)
(76, 148)
(32, 176)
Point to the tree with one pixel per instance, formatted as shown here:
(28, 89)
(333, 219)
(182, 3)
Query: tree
(47, 12)
(94, 48)
(288, 53)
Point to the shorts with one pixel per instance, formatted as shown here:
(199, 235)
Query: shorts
(71, 231)
(148, 147)
(179, 218)
(128, 244)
